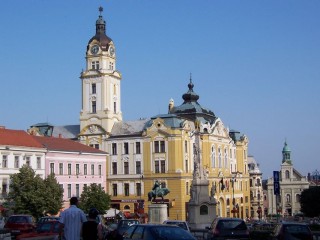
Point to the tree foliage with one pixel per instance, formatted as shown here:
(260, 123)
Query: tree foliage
(30, 194)
(309, 201)
(94, 196)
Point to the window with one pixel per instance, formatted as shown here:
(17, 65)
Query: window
(4, 188)
(77, 190)
(110, 65)
(126, 189)
(94, 106)
(85, 169)
(219, 158)
(93, 88)
(287, 174)
(100, 170)
(114, 149)
(92, 169)
(230, 153)
(61, 168)
(187, 188)
(159, 147)
(138, 188)
(187, 165)
(138, 148)
(114, 89)
(28, 163)
(186, 146)
(225, 158)
(163, 184)
(204, 210)
(156, 167)
(114, 107)
(16, 162)
(95, 65)
(138, 167)
(163, 166)
(39, 162)
(77, 169)
(213, 157)
(51, 168)
(114, 190)
(69, 190)
(126, 148)
(69, 168)
(96, 146)
(126, 167)
(114, 168)
(288, 198)
(160, 166)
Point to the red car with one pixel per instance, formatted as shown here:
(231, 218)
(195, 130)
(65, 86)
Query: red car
(46, 230)
(18, 224)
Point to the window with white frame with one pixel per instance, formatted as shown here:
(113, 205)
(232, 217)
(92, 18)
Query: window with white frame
(219, 158)
(138, 167)
(69, 190)
(225, 158)
(126, 148)
(114, 149)
(61, 168)
(186, 146)
(114, 168)
(138, 148)
(85, 169)
(159, 146)
(95, 65)
(160, 166)
(126, 189)
(77, 169)
(100, 170)
(4, 161)
(16, 161)
(213, 156)
(69, 168)
(94, 106)
(138, 189)
(77, 190)
(93, 88)
(187, 165)
(92, 169)
(39, 162)
(126, 167)
(51, 168)
(187, 188)
(28, 161)
(114, 189)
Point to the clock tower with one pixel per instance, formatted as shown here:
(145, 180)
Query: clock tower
(101, 88)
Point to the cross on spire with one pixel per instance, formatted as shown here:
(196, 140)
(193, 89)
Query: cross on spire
(100, 10)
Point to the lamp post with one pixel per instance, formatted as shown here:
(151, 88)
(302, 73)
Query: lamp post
(234, 210)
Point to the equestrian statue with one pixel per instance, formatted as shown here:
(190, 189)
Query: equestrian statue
(157, 191)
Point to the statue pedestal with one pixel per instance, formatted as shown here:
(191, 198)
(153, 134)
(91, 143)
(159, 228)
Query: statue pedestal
(157, 213)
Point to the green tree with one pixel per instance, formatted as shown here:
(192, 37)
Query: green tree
(29, 193)
(309, 201)
(94, 196)
(54, 195)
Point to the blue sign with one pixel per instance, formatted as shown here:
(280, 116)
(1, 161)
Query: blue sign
(276, 184)
(276, 177)
(276, 188)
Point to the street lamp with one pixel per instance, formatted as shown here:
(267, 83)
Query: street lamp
(234, 210)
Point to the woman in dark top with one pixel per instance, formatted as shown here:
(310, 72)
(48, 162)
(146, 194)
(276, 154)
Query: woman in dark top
(91, 230)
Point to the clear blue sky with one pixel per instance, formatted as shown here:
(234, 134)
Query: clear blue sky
(255, 64)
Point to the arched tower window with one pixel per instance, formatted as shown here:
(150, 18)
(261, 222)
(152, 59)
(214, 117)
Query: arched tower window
(287, 173)
(219, 158)
(213, 157)
(225, 158)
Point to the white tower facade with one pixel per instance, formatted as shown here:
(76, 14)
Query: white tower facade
(101, 88)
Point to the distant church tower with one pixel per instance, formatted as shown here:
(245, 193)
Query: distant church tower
(101, 88)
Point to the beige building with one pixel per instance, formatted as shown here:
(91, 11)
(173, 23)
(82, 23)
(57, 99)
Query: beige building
(292, 183)
(161, 147)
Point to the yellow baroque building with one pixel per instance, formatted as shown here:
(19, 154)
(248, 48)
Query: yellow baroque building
(161, 147)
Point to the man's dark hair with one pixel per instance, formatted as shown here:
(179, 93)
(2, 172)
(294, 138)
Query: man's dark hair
(73, 201)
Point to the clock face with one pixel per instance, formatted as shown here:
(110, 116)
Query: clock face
(94, 49)
(111, 51)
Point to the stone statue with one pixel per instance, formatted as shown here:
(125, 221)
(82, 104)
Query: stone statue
(213, 190)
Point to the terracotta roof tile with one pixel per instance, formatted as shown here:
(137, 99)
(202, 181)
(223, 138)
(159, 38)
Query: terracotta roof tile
(17, 138)
(63, 144)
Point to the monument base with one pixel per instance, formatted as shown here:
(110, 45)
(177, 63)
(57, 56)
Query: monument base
(157, 213)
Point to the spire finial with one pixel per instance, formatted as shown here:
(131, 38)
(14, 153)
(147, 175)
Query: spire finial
(190, 77)
(100, 10)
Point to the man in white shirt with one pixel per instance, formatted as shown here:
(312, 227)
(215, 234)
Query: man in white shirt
(72, 220)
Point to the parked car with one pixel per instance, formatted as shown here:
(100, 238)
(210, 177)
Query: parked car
(18, 224)
(157, 231)
(46, 219)
(46, 230)
(182, 224)
(228, 228)
(291, 230)
(124, 224)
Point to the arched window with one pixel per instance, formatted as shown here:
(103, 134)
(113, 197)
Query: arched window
(225, 158)
(126, 207)
(228, 201)
(204, 210)
(219, 158)
(287, 174)
(213, 157)
(288, 198)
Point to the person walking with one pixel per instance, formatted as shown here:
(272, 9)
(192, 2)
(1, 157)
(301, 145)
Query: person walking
(91, 230)
(72, 220)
